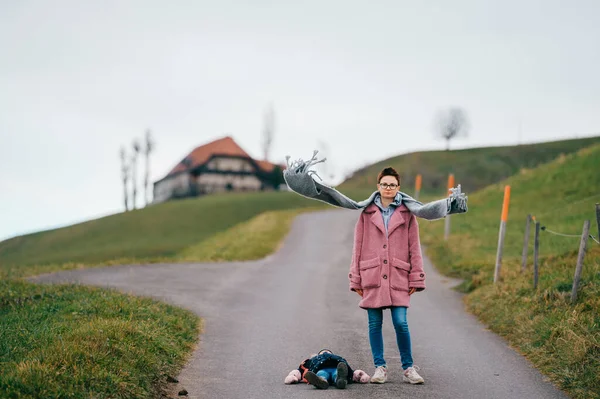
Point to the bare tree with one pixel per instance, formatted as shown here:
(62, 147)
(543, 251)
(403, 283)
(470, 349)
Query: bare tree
(452, 123)
(326, 168)
(268, 131)
(124, 176)
(136, 151)
(147, 150)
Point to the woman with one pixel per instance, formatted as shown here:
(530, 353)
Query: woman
(386, 269)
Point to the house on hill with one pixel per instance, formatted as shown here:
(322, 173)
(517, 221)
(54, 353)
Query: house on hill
(219, 166)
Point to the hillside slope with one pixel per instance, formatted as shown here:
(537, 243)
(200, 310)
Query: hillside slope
(473, 168)
(560, 338)
(560, 194)
(160, 231)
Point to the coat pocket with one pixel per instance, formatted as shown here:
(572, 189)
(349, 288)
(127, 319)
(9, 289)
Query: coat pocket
(370, 271)
(399, 275)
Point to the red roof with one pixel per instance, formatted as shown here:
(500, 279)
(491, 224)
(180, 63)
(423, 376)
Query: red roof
(224, 146)
(267, 166)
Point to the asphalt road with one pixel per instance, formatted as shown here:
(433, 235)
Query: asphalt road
(263, 318)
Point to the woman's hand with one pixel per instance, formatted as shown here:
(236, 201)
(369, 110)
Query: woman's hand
(359, 292)
(412, 291)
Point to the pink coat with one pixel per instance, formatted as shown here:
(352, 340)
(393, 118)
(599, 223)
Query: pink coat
(385, 268)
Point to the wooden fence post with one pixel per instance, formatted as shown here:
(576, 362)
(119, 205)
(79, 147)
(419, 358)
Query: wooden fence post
(598, 219)
(582, 246)
(536, 252)
(447, 221)
(418, 181)
(502, 232)
(525, 244)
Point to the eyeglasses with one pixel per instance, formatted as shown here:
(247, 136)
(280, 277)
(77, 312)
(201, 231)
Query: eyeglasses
(388, 186)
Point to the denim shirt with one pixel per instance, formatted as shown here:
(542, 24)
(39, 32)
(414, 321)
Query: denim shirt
(387, 212)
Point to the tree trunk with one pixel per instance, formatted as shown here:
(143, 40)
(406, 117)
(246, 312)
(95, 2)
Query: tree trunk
(133, 181)
(125, 195)
(146, 178)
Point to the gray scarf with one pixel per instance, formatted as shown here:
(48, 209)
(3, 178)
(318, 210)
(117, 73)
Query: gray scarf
(298, 178)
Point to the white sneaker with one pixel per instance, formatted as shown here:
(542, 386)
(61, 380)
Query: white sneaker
(380, 375)
(411, 375)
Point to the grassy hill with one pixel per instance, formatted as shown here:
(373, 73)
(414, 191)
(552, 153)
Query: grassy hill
(562, 339)
(159, 232)
(109, 344)
(166, 231)
(473, 168)
(560, 194)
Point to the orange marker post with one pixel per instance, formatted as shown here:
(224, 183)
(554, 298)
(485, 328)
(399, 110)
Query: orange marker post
(447, 221)
(418, 182)
(502, 233)
(450, 181)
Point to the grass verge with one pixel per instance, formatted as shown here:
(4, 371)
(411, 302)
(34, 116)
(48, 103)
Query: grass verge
(251, 240)
(561, 339)
(79, 342)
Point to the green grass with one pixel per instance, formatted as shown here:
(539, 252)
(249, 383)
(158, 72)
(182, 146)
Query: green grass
(561, 195)
(86, 342)
(159, 232)
(251, 240)
(561, 339)
(474, 168)
(79, 342)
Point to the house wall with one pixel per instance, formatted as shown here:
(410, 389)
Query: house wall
(218, 182)
(230, 165)
(210, 182)
(176, 186)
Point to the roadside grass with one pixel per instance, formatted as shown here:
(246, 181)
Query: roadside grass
(67, 341)
(78, 342)
(251, 240)
(561, 339)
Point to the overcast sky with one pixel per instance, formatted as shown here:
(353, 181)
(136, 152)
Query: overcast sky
(78, 79)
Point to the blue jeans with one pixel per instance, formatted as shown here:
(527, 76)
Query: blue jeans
(402, 335)
(329, 374)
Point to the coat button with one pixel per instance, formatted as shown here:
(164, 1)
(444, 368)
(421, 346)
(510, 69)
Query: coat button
(384, 246)
(385, 276)
(385, 261)
(422, 275)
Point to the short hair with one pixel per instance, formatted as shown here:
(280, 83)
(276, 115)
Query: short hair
(389, 171)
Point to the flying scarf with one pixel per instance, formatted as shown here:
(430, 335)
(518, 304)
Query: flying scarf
(298, 177)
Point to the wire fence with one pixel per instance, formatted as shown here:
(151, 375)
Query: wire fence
(561, 208)
(544, 228)
(583, 237)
